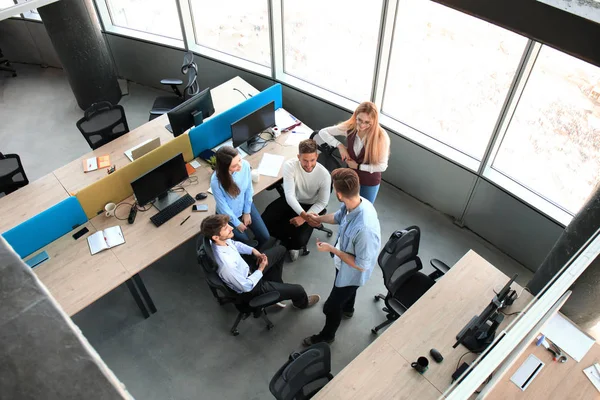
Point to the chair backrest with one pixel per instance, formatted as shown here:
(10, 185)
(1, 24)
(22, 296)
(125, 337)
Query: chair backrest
(329, 156)
(103, 122)
(398, 259)
(207, 260)
(12, 173)
(304, 374)
(188, 60)
(192, 88)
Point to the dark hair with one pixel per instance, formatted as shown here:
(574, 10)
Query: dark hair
(211, 226)
(307, 146)
(345, 182)
(224, 157)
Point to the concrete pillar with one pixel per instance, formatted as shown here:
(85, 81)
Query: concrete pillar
(582, 306)
(75, 32)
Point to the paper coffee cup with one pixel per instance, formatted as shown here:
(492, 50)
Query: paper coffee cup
(255, 176)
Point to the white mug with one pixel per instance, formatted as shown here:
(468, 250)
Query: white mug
(110, 209)
(255, 176)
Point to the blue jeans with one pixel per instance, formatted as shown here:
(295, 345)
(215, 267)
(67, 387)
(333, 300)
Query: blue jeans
(258, 228)
(369, 192)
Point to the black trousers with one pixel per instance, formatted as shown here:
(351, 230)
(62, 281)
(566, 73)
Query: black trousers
(340, 300)
(272, 279)
(277, 217)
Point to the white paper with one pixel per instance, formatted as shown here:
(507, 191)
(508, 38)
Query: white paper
(593, 375)
(270, 165)
(568, 337)
(284, 119)
(113, 236)
(96, 242)
(195, 164)
(92, 164)
(294, 139)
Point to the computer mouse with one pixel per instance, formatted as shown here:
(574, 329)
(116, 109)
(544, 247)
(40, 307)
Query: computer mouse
(201, 196)
(437, 356)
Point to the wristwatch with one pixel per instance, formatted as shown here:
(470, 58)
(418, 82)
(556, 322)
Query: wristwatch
(358, 166)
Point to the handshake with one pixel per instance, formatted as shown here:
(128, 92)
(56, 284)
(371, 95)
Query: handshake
(311, 219)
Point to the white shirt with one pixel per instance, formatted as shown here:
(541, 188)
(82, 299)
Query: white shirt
(233, 270)
(327, 134)
(304, 187)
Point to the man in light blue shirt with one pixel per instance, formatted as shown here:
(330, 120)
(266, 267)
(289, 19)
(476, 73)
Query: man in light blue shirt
(354, 255)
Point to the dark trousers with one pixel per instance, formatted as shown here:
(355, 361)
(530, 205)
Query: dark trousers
(340, 300)
(272, 279)
(277, 219)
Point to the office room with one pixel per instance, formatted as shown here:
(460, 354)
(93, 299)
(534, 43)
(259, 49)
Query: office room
(491, 179)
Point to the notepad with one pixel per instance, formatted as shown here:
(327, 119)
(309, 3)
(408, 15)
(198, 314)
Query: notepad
(106, 239)
(94, 163)
(285, 121)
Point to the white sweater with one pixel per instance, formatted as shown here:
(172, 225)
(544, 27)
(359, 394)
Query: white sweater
(327, 134)
(303, 187)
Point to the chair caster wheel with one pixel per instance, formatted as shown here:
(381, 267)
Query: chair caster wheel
(374, 331)
(235, 332)
(329, 234)
(376, 298)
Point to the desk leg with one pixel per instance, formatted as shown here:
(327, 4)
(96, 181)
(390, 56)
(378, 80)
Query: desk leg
(137, 298)
(137, 279)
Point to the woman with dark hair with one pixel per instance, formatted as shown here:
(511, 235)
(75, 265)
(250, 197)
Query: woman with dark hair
(231, 184)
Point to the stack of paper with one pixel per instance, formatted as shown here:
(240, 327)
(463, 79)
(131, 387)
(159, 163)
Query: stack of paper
(270, 165)
(568, 337)
(284, 120)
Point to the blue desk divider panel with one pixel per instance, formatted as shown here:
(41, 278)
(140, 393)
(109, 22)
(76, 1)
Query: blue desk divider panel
(217, 129)
(46, 227)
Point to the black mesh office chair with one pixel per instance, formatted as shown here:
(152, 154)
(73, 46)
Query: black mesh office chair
(304, 374)
(224, 294)
(103, 122)
(12, 174)
(401, 273)
(164, 104)
(5, 65)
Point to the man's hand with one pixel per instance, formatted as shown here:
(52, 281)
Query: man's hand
(324, 246)
(262, 262)
(351, 163)
(313, 218)
(246, 219)
(313, 224)
(297, 221)
(241, 227)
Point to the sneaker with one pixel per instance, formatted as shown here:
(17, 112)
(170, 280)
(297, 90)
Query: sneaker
(294, 254)
(348, 314)
(280, 304)
(312, 300)
(314, 339)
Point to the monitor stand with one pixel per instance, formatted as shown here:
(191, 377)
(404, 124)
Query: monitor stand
(167, 199)
(253, 145)
(168, 127)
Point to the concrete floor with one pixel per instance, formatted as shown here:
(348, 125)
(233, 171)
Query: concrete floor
(185, 351)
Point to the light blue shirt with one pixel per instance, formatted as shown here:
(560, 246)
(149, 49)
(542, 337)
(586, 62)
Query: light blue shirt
(234, 206)
(233, 270)
(360, 235)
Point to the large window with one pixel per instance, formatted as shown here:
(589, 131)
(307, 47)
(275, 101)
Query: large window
(158, 17)
(552, 144)
(239, 28)
(332, 44)
(449, 74)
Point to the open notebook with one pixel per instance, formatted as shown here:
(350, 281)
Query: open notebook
(106, 239)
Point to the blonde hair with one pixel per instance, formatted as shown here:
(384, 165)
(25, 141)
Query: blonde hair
(376, 141)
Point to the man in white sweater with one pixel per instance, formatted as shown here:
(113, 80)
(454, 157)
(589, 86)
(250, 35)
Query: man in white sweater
(307, 186)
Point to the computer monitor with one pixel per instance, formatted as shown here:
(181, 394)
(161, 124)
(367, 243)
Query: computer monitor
(191, 112)
(156, 183)
(481, 330)
(245, 131)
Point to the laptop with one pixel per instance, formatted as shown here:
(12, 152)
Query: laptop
(143, 148)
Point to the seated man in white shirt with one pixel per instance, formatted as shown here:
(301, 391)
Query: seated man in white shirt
(235, 272)
(307, 187)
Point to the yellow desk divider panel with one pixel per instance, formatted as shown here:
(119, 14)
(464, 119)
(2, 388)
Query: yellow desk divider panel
(116, 187)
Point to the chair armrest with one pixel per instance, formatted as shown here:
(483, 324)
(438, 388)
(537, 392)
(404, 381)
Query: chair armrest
(159, 111)
(440, 268)
(171, 82)
(264, 300)
(396, 306)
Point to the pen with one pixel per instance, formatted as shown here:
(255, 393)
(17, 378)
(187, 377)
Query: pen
(188, 217)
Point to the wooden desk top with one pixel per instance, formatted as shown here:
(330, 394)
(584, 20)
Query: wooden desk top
(555, 381)
(72, 177)
(29, 201)
(432, 322)
(76, 278)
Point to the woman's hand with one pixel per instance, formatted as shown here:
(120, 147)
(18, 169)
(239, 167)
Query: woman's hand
(246, 219)
(351, 163)
(344, 152)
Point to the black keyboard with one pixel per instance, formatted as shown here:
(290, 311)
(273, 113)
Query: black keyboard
(172, 210)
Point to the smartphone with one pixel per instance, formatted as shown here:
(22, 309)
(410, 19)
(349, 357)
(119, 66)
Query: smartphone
(80, 233)
(199, 207)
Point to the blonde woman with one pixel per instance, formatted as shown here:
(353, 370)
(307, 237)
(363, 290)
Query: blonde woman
(368, 147)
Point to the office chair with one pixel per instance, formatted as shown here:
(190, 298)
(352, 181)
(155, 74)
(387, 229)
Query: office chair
(304, 374)
(401, 265)
(12, 174)
(224, 294)
(5, 65)
(103, 122)
(164, 104)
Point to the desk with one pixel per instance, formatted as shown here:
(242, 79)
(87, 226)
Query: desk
(554, 381)
(432, 322)
(71, 175)
(30, 200)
